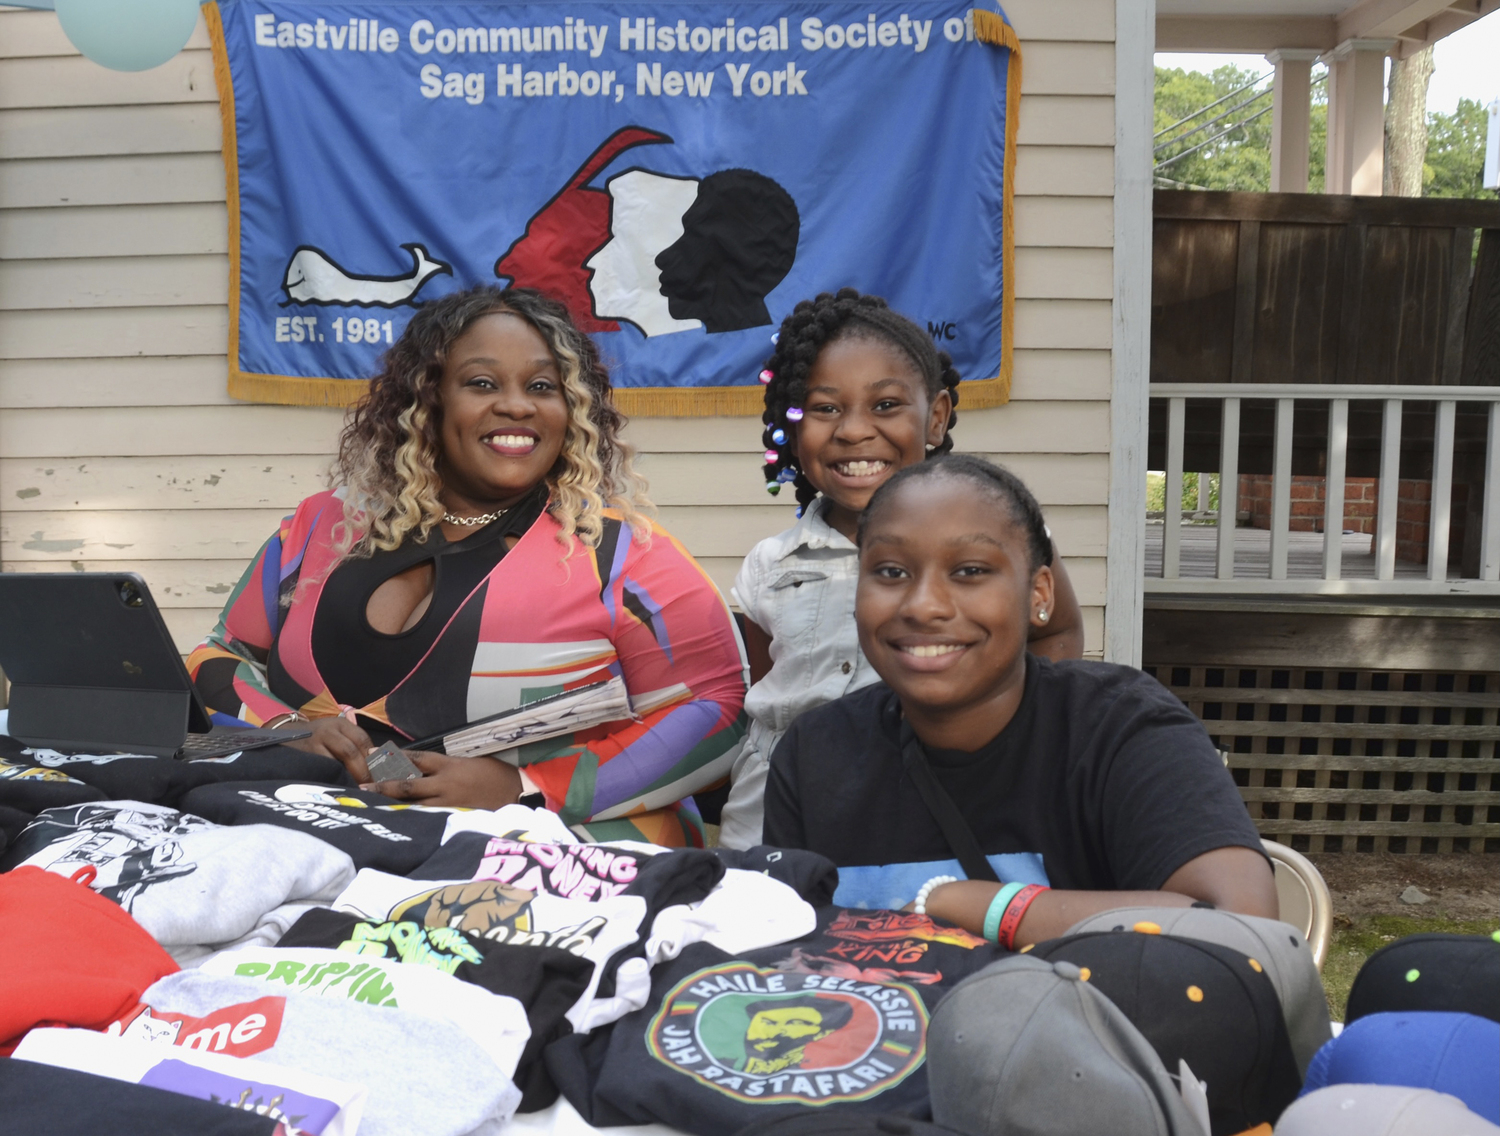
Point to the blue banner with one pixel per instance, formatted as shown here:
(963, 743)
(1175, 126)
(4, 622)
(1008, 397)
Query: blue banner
(679, 174)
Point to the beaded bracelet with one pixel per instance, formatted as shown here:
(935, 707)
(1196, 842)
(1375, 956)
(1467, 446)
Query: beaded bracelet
(920, 904)
(1015, 911)
(997, 909)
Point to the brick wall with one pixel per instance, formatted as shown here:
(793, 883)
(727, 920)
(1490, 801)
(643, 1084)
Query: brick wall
(1361, 498)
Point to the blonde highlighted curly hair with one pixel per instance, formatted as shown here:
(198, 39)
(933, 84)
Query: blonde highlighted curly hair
(390, 450)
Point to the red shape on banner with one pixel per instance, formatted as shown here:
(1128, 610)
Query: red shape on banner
(569, 229)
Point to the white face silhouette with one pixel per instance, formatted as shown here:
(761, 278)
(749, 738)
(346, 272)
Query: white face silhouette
(645, 218)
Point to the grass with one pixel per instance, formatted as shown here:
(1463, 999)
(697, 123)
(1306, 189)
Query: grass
(1356, 938)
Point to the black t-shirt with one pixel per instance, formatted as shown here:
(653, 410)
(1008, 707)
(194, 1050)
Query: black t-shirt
(836, 1020)
(375, 831)
(545, 980)
(44, 1100)
(577, 871)
(812, 877)
(166, 780)
(1103, 780)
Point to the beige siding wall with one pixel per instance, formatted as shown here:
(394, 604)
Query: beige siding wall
(120, 450)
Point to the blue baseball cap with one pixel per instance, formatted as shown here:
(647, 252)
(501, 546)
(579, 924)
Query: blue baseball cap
(1457, 1054)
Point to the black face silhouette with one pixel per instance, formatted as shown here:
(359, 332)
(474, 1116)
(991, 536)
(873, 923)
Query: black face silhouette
(739, 240)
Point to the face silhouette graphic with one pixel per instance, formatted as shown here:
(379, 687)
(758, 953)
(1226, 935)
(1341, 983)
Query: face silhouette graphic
(550, 255)
(645, 217)
(780, 1030)
(738, 242)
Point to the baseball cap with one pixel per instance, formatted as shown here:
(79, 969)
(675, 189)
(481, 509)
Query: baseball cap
(1381, 1110)
(1027, 1047)
(1198, 1002)
(1278, 947)
(815, 1122)
(1457, 1054)
(1458, 973)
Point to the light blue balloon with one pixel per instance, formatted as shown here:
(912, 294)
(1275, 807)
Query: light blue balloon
(128, 35)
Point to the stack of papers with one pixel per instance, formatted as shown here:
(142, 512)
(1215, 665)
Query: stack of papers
(546, 718)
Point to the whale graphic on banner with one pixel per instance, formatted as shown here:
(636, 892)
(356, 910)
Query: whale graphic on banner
(312, 277)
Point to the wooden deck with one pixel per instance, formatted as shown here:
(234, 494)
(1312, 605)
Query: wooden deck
(1252, 555)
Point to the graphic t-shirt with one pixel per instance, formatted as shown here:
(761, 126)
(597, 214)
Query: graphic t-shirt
(546, 981)
(811, 876)
(164, 780)
(43, 1100)
(578, 871)
(424, 1074)
(375, 831)
(1102, 780)
(835, 1020)
(496, 1023)
(29, 788)
(186, 880)
(596, 930)
(305, 1102)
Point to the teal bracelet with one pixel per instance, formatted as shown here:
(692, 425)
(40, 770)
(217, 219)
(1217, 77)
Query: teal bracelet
(997, 908)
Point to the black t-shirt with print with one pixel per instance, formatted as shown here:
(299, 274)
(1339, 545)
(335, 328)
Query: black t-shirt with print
(545, 980)
(577, 871)
(375, 831)
(836, 1020)
(165, 780)
(1102, 780)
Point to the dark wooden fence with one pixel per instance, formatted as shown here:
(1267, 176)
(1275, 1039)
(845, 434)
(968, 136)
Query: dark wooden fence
(1306, 288)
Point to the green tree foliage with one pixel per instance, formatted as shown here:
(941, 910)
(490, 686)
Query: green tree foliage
(1455, 153)
(1241, 159)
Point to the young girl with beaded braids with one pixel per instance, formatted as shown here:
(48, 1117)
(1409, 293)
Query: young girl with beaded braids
(854, 392)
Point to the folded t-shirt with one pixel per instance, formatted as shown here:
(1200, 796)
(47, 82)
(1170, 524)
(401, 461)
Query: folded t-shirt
(70, 956)
(31, 788)
(305, 1102)
(424, 1074)
(496, 1023)
(186, 880)
(661, 877)
(42, 1100)
(375, 831)
(836, 1020)
(597, 930)
(813, 877)
(546, 981)
(164, 780)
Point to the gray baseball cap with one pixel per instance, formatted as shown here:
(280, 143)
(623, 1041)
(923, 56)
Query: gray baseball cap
(1276, 946)
(1029, 1048)
(1381, 1110)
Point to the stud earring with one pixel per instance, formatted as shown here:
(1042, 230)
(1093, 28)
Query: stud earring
(1042, 615)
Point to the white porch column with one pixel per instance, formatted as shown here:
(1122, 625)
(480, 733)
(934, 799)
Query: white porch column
(1356, 116)
(1291, 101)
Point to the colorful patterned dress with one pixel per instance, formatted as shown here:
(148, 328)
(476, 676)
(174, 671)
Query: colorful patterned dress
(544, 620)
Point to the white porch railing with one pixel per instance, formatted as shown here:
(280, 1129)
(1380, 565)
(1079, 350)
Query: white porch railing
(1385, 578)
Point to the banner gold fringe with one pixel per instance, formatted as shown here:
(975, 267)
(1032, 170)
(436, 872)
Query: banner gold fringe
(290, 390)
(640, 402)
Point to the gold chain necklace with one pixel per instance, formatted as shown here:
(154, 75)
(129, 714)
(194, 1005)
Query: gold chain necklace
(470, 522)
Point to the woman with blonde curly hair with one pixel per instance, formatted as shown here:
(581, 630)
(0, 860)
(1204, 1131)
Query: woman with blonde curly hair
(486, 547)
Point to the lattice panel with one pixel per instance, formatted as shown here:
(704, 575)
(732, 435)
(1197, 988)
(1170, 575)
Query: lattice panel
(1368, 760)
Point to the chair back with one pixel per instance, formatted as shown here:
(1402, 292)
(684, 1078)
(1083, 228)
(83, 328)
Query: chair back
(1305, 901)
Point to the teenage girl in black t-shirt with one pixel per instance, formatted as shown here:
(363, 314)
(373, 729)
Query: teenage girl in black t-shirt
(1104, 787)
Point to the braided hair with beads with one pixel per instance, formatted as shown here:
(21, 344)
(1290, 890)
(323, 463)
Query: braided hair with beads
(812, 326)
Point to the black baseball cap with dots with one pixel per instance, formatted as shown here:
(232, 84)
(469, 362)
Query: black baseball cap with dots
(1198, 1002)
(1453, 973)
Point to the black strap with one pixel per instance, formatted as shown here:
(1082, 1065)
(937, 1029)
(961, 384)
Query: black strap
(956, 830)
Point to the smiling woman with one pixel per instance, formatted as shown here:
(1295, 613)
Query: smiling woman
(973, 758)
(485, 548)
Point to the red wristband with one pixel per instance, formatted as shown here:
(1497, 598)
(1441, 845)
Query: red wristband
(1015, 911)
